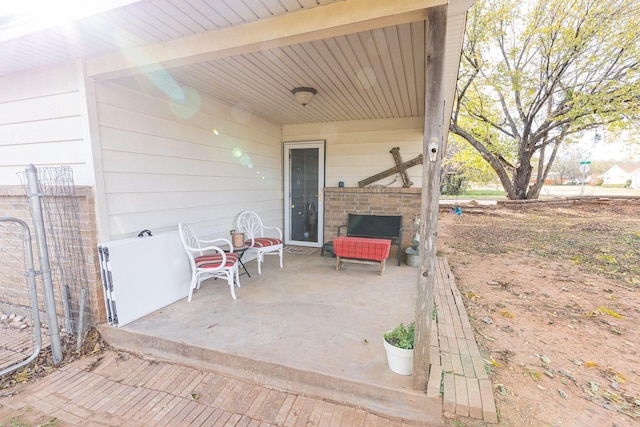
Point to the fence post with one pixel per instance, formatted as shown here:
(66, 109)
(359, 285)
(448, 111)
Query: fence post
(43, 255)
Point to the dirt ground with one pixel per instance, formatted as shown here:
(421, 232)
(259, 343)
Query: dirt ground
(552, 294)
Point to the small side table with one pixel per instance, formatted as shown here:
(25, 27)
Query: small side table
(240, 251)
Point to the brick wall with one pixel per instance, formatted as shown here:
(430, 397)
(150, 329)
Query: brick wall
(340, 202)
(13, 288)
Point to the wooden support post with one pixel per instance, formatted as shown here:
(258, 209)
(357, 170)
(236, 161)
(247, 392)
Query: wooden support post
(435, 32)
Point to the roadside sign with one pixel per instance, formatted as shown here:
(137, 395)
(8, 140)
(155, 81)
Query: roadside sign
(584, 168)
(585, 162)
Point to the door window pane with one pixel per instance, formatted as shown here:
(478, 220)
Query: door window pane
(304, 194)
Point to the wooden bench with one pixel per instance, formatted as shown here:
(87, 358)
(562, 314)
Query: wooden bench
(375, 227)
(361, 250)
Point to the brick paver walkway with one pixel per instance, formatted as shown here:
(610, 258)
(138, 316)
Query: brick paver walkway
(119, 389)
(466, 388)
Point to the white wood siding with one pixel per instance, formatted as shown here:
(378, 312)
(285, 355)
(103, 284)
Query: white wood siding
(42, 123)
(359, 149)
(160, 169)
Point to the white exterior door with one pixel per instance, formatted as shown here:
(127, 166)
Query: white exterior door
(303, 189)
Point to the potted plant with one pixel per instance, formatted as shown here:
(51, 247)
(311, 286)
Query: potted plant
(399, 346)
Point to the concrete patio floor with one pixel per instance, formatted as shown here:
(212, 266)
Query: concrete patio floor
(306, 328)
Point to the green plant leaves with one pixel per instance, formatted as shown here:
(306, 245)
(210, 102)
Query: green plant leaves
(402, 336)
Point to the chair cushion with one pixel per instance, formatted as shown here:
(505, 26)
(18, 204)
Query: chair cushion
(215, 261)
(262, 242)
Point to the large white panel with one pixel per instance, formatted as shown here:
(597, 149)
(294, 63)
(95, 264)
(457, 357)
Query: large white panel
(142, 275)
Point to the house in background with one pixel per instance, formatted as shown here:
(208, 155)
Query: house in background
(619, 174)
(635, 178)
(184, 111)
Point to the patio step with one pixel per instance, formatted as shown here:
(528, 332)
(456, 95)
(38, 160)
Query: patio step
(403, 404)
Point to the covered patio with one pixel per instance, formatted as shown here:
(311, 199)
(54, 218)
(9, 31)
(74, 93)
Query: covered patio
(311, 329)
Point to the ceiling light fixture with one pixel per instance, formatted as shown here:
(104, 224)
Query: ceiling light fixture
(304, 95)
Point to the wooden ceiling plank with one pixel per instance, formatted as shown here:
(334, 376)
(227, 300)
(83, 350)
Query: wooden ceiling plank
(189, 17)
(380, 39)
(306, 54)
(244, 12)
(274, 7)
(290, 5)
(305, 25)
(417, 47)
(408, 69)
(157, 10)
(328, 62)
(361, 73)
(195, 14)
(237, 73)
(258, 9)
(143, 27)
(276, 69)
(395, 63)
(374, 91)
(228, 13)
(306, 4)
(210, 14)
(347, 60)
(377, 62)
(105, 29)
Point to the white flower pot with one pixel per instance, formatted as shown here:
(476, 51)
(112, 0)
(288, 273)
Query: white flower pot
(400, 360)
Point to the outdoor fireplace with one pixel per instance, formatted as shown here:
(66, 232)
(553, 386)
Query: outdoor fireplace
(340, 202)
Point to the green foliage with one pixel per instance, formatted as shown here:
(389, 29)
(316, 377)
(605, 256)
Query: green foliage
(536, 75)
(402, 336)
(463, 157)
(614, 185)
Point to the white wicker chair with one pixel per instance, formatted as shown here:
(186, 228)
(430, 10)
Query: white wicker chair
(209, 259)
(261, 239)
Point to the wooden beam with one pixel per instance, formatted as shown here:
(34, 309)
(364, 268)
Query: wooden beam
(406, 182)
(335, 19)
(399, 167)
(435, 32)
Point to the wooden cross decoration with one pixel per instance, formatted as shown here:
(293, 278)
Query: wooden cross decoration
(399, 167)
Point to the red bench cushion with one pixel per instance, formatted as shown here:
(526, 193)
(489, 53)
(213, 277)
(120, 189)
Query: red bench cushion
(362, 248)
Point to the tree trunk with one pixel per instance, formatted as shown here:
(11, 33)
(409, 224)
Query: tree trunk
(522, 177)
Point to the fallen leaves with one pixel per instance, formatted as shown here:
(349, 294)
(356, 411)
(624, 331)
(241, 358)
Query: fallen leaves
(534, 375)
(471, 295)
(544, 359)
(564, 297)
